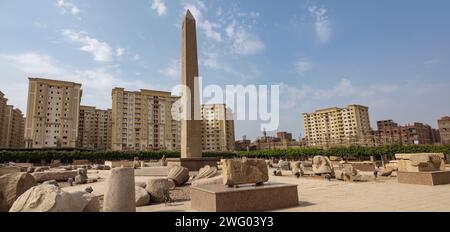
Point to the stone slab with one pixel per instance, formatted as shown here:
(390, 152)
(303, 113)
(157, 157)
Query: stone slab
(7, 170)
(424, 178)
(363, 166)
(248, 198)
(193, 164)
(119, 164)
(152, 171)
(81, 162)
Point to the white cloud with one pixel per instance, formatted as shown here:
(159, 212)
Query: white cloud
(160, 7)
(432, 62)
(173, 70)
(97, 83)
(120, 52)
(136, 57)
(68, 7)
(303, 65)
(208, 27)
(100, 50)
(244, 42)
(33, 63)
(40, 25)
(322, 23)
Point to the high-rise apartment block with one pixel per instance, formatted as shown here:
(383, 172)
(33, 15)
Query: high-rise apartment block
(52, 113)
(94, 128)
(143, 121)
(444, 129)
(338, 127)
(217, 128)
(11, 125)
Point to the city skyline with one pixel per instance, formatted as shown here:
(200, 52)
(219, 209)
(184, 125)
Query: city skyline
(320, 53)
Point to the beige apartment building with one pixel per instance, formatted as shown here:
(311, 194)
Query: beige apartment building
(444, 129)
(52, 113)
(217, 128)
(142, 121)
(94, 128)
(11, 125)
(338, 127)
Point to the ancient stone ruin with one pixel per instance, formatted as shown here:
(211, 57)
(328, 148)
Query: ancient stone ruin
(244, 171)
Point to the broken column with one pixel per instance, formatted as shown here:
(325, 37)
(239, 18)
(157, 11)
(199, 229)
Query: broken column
(120, 194)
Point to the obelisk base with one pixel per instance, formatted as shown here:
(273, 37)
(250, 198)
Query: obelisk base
(193, 164)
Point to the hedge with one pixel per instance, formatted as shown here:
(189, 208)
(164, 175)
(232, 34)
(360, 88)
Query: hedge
(291, 153)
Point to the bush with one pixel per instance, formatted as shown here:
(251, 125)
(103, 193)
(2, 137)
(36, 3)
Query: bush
(291, 153)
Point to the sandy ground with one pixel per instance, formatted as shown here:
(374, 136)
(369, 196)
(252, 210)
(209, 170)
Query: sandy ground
(318, 195)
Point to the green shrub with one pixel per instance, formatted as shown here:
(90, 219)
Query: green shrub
(291, 153)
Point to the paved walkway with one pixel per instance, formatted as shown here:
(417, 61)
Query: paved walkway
(323, 196)
(316, 195)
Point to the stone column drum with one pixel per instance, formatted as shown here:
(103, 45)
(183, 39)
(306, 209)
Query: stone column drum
(120, 194)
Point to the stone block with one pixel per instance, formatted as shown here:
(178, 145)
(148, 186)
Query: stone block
(57, 175)
(250, 198)
(244, 171)
(420, 162)
(193, 164)
(120, 164)
(81, 162)
(424, 178)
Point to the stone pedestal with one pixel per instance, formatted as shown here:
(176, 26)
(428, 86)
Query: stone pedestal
(192, 164)
(247, 198)
(424, 178)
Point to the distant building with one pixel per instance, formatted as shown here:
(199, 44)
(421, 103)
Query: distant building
(388, 133)
(142, 121)
(94, 128)
(11, 125)
(284, 136)
(391, 133)
(217, 128)
(338, 127)
(444, 129)
(52, 113)
(244, 144)
(419, 133)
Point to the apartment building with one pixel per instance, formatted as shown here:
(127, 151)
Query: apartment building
(52, 113)
(143, 121)
(11, 125)
(444, 129)
(217, 128)
(391, 133)
(338, 127)
(94, 128)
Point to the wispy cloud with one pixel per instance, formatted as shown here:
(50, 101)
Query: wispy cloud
(66, 6)
(120, 52)
(235, 25)
(303, 65)
(173, 69)
(243, 42)
(160, 7)
(100, 50)
(95, 81)
(432, 62)
(322, 23)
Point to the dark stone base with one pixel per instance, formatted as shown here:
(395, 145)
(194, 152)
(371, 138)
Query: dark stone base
(193, 164)
(424, 178)
(246, 198)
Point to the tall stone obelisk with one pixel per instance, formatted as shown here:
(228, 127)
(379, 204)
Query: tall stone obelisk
(191, 137)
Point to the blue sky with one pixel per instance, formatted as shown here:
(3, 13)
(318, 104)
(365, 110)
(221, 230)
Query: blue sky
(392, 56)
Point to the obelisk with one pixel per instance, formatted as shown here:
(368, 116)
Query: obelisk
(191, 137)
